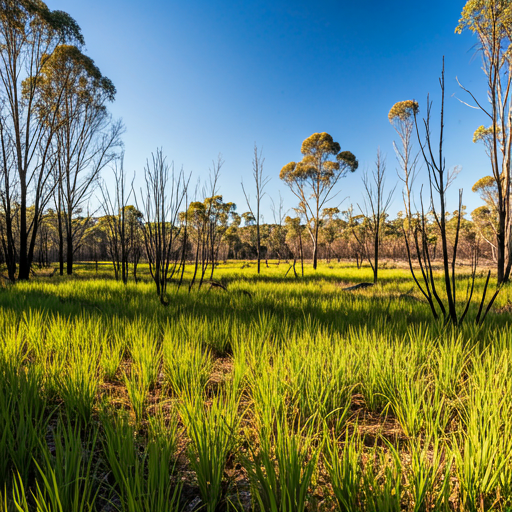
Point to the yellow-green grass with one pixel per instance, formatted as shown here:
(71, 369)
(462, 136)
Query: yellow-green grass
(279, 393)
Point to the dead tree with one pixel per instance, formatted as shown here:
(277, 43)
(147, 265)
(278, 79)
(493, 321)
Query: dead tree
(161, 201)
(260, 182)
(78, 176)
(375, 206)
(279, 215)
(439, 181)
(115, 216)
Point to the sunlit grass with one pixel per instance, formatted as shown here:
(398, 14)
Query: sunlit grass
(351, 400)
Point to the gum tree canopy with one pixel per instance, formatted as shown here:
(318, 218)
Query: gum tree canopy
(313, 179)
(401, 116)
(85, 138)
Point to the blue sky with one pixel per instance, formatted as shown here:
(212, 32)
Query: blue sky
(200, 78)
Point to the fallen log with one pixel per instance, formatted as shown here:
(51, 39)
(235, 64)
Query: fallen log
(360, 286)
(217, 284)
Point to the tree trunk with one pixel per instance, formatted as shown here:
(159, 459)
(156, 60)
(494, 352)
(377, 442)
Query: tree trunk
(301, 255)
(500, 243)
(376, 253)
(9, 248)
(258, 242)
(69, 251)
(24, 264)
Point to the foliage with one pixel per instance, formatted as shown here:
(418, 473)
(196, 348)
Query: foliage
(403, 111)
(313, 178)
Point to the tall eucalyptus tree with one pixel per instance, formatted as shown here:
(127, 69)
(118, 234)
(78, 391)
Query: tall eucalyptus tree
(313, 179)
(85, 139)
(491, 22)
(29, 34)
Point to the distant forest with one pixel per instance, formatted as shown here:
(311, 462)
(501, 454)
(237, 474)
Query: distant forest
(58, 140)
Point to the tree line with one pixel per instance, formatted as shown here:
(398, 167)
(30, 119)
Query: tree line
(343, 235)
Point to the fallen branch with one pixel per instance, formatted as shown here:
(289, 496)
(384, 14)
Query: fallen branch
(217, 284)
(360, 286)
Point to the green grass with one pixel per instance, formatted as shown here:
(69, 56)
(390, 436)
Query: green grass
(279, 394)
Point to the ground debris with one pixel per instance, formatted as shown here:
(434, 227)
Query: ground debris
(359, 286)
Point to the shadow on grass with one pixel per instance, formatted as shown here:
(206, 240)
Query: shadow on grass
(317, 299)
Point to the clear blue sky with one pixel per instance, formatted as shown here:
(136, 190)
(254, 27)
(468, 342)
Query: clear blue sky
(199, 78)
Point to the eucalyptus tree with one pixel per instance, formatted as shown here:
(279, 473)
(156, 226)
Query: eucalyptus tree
(85, 139)
(195, 218)
(294, 240)
(332, 229)
(218, 215)
(485, 217)
(208, 221)
(491, 22)
(232, 236)
(29, 34)
(357, 225)
(312, 180)
(401, 116)
(133, 230)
